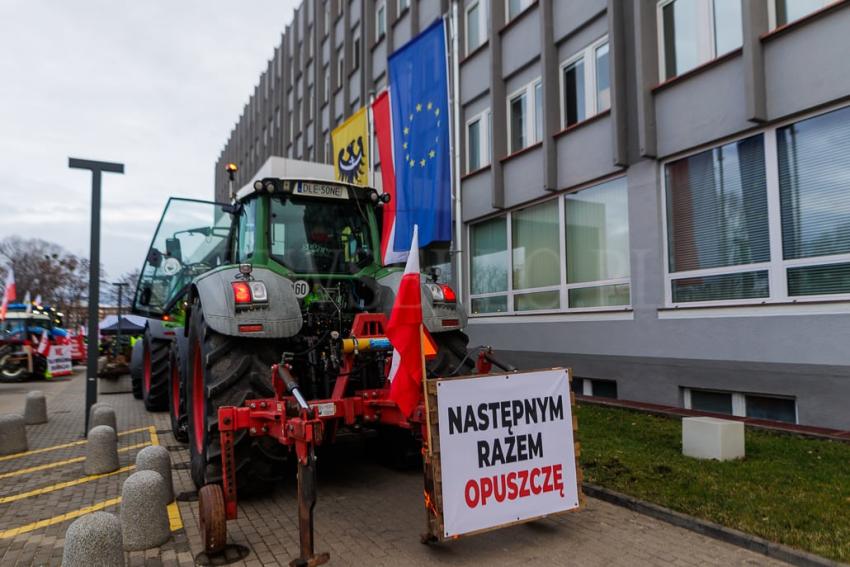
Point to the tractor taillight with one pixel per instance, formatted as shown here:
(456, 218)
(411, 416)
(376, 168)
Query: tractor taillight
(241, 292)
(449, 295)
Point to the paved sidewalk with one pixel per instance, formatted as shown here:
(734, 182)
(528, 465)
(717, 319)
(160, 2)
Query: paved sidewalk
(367, 514)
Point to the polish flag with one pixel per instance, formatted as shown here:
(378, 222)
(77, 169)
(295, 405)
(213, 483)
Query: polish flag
(405, 333)
(43, 344)
(8, 293)
(384, 134)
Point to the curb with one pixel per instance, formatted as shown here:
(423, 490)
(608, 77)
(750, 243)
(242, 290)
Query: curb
(710, 529)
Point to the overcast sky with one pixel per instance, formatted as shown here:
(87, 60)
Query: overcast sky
(154, 84)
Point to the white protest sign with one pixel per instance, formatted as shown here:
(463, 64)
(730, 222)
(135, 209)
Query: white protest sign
(506, 449)
(59, 360)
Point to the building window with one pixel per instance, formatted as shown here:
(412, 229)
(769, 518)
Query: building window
(478, 141)
(783, 12)
(596, 388)
(327, 90)
(535, 257)
(381, 21)
(516, 7)
(308, 42)
(402, 6)
(489, 270)
(524, 106)
(585, 84)
(340, 70)
(327, 18)
(355, 53)
(340, 7)
(693, 32)
(568, 253)
(738, 231)
(476, 22)
(814, 166)
(597, 237)
(717, 235)
(756, 406)
(308, 101)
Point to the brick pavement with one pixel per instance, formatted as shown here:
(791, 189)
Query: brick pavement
(367, 514)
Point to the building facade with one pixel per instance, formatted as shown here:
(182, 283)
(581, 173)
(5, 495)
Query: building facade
(655, 193)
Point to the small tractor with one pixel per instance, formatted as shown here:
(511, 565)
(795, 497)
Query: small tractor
(26, 337)
(266, 336)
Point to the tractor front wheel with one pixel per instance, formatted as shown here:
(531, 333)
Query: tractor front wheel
(227, 371)
(155, 372)
(177, 387)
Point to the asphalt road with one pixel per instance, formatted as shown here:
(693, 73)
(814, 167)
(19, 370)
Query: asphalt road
(12, 394)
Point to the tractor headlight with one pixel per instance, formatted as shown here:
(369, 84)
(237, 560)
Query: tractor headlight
(258, 292)
(436, 291)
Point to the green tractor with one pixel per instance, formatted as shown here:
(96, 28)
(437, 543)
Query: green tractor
(280, 275)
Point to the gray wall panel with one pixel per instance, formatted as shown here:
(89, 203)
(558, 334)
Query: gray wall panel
(524, 177)
(475, 193)
(401, 31)
(569, 16)
(475, 75)
(585, 153)
(379, 59)
(808, 65)
(520, 42)
(701, 108)
(429, 10)
(592, 31)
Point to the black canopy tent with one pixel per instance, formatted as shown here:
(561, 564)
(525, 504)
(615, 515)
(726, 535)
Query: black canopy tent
(127, 328)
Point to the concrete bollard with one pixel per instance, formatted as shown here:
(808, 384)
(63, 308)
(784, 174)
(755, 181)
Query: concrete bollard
(94, 539)
(93, 407)
(157, 458)
(103, 415)
(35, 409)
(101, 450)
(144, 517)
(13, 434)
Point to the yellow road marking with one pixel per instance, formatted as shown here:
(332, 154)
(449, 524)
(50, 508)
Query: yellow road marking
(65, 462)
(61, 485)
(65, 445)
(60, 518)
(175, 520)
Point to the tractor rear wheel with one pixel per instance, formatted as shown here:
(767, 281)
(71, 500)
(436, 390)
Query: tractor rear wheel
(226, 371)
(177, 387)
(155, 372)
(451, 359)
(136, 369)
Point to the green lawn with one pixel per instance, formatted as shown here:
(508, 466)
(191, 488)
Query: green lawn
(789, 489)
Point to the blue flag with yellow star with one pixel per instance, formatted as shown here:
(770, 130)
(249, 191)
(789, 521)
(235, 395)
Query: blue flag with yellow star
(420, 116)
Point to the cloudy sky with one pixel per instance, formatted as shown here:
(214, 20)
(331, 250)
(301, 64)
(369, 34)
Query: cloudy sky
(154, 84)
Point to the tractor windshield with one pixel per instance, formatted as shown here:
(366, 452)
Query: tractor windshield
(192, 238)
(320, 236)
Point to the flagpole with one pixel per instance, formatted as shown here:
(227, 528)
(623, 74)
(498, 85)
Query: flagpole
(455, 140)
(371, 124)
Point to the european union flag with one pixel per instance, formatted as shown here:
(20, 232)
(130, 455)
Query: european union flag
(420, 114)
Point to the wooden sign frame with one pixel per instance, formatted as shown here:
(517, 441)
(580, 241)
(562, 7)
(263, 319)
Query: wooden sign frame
(435, 528)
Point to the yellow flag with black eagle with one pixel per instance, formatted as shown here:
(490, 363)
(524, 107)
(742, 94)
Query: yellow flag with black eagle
(351, 149)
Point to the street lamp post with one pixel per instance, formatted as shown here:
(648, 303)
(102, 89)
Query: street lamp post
(96, 168)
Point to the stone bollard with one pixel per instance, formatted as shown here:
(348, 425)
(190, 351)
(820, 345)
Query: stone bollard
(93, 407)
(94, 539)
(101, 450)
(144, 517)
(13, 434)
(103, 415)
(156, 458)
(35, 409)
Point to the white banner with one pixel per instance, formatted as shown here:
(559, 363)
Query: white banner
(59, 360)
(506, 449)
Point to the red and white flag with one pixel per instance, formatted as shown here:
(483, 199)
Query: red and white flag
(8, 293)
(405, 333)
(384, 135)
(43, 344)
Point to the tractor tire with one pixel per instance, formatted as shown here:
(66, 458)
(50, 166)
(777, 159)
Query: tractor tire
(136, 369)
(177, 387)
(451, 359)
(155, 372)
(226, 371)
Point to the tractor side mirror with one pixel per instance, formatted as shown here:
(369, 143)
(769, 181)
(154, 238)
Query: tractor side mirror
(172, 249)
(363, 257)
(155, 258)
